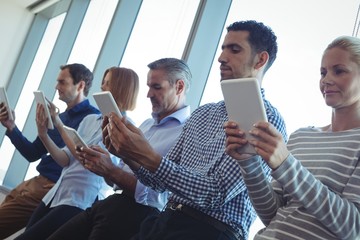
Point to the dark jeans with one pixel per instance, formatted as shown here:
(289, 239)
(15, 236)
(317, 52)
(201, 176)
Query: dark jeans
(116, 217)
(175, 225)
(46, 220)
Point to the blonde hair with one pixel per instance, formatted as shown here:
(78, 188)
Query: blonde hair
(124, 86)
(349, 44)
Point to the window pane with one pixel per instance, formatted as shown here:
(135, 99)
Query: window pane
(91, 37)
(161, 30)
(291, 84)
(32, 83)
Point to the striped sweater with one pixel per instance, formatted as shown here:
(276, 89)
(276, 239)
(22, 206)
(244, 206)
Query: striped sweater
(315, 192)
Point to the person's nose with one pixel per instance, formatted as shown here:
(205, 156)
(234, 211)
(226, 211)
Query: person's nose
(149, 93)
(222, 58)
(327, 80)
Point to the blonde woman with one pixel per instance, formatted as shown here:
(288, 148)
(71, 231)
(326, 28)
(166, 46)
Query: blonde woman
(315, 192)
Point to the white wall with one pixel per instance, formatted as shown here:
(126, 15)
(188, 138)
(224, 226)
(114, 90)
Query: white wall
(14, 25)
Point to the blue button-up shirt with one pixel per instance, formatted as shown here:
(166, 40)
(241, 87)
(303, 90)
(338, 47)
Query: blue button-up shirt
(161, 135)
(32, 151)
(78, 186)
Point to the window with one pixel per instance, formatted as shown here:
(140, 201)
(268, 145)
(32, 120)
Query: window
(32, 82)
(303, 28)
(153, 38)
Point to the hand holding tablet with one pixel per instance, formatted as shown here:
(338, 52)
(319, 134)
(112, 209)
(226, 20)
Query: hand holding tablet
(74, 135)
(40, 98)
(106, 103)
(244, 105)
(4, 99)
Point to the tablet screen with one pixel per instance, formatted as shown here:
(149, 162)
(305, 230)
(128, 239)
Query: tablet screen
(106, 103)
(40, 98)
(74, 135)
(244, 105)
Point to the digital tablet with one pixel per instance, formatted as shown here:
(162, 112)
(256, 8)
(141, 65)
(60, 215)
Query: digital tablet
(40, 98)
(106, 103)
(244, 105)
(5, 100)
(74, 135)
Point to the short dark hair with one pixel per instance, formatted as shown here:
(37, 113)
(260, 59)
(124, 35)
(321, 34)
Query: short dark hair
(261, 38)
(175, 69)
(80, 73)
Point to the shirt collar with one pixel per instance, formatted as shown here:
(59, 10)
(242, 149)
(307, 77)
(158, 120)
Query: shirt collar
(181, 115)
(79, 107)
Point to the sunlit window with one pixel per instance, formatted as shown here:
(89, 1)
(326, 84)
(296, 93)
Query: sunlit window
(32, 83)
(91, 36)
(153, 37)
(304, 28)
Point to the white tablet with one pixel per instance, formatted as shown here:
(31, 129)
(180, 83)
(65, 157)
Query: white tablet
(74, 135)
(40, 98)
(5, 100)
(244, 105)
(106, 103)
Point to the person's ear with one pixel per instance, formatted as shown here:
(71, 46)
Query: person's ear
(180, 86)
(81, 85)
(262, 59)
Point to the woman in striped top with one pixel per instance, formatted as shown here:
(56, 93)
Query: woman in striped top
(315, 191)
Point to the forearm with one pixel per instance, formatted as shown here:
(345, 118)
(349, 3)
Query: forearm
(57, 154)
(217, 186)
(150, 161)
(337, 212)
(125, 180)
(32, 151)
(264, 199)
(67, 140)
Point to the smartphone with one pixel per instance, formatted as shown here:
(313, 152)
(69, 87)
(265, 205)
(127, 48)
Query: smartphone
(74, 135)
(244, 105)
(106, 103)
(5, 100)
(40, 98)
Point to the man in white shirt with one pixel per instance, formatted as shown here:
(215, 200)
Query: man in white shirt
(120, 215)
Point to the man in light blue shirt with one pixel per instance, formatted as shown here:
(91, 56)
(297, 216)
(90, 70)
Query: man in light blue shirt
(120, 215)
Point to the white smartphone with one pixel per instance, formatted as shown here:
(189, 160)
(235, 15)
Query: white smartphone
(5, 100)
(244, 105)
(74, 135)
(106, 103)
(40, 98)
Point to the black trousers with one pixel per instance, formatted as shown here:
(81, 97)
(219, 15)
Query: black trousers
(46, 220)
(116, 217)
(176, 225)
